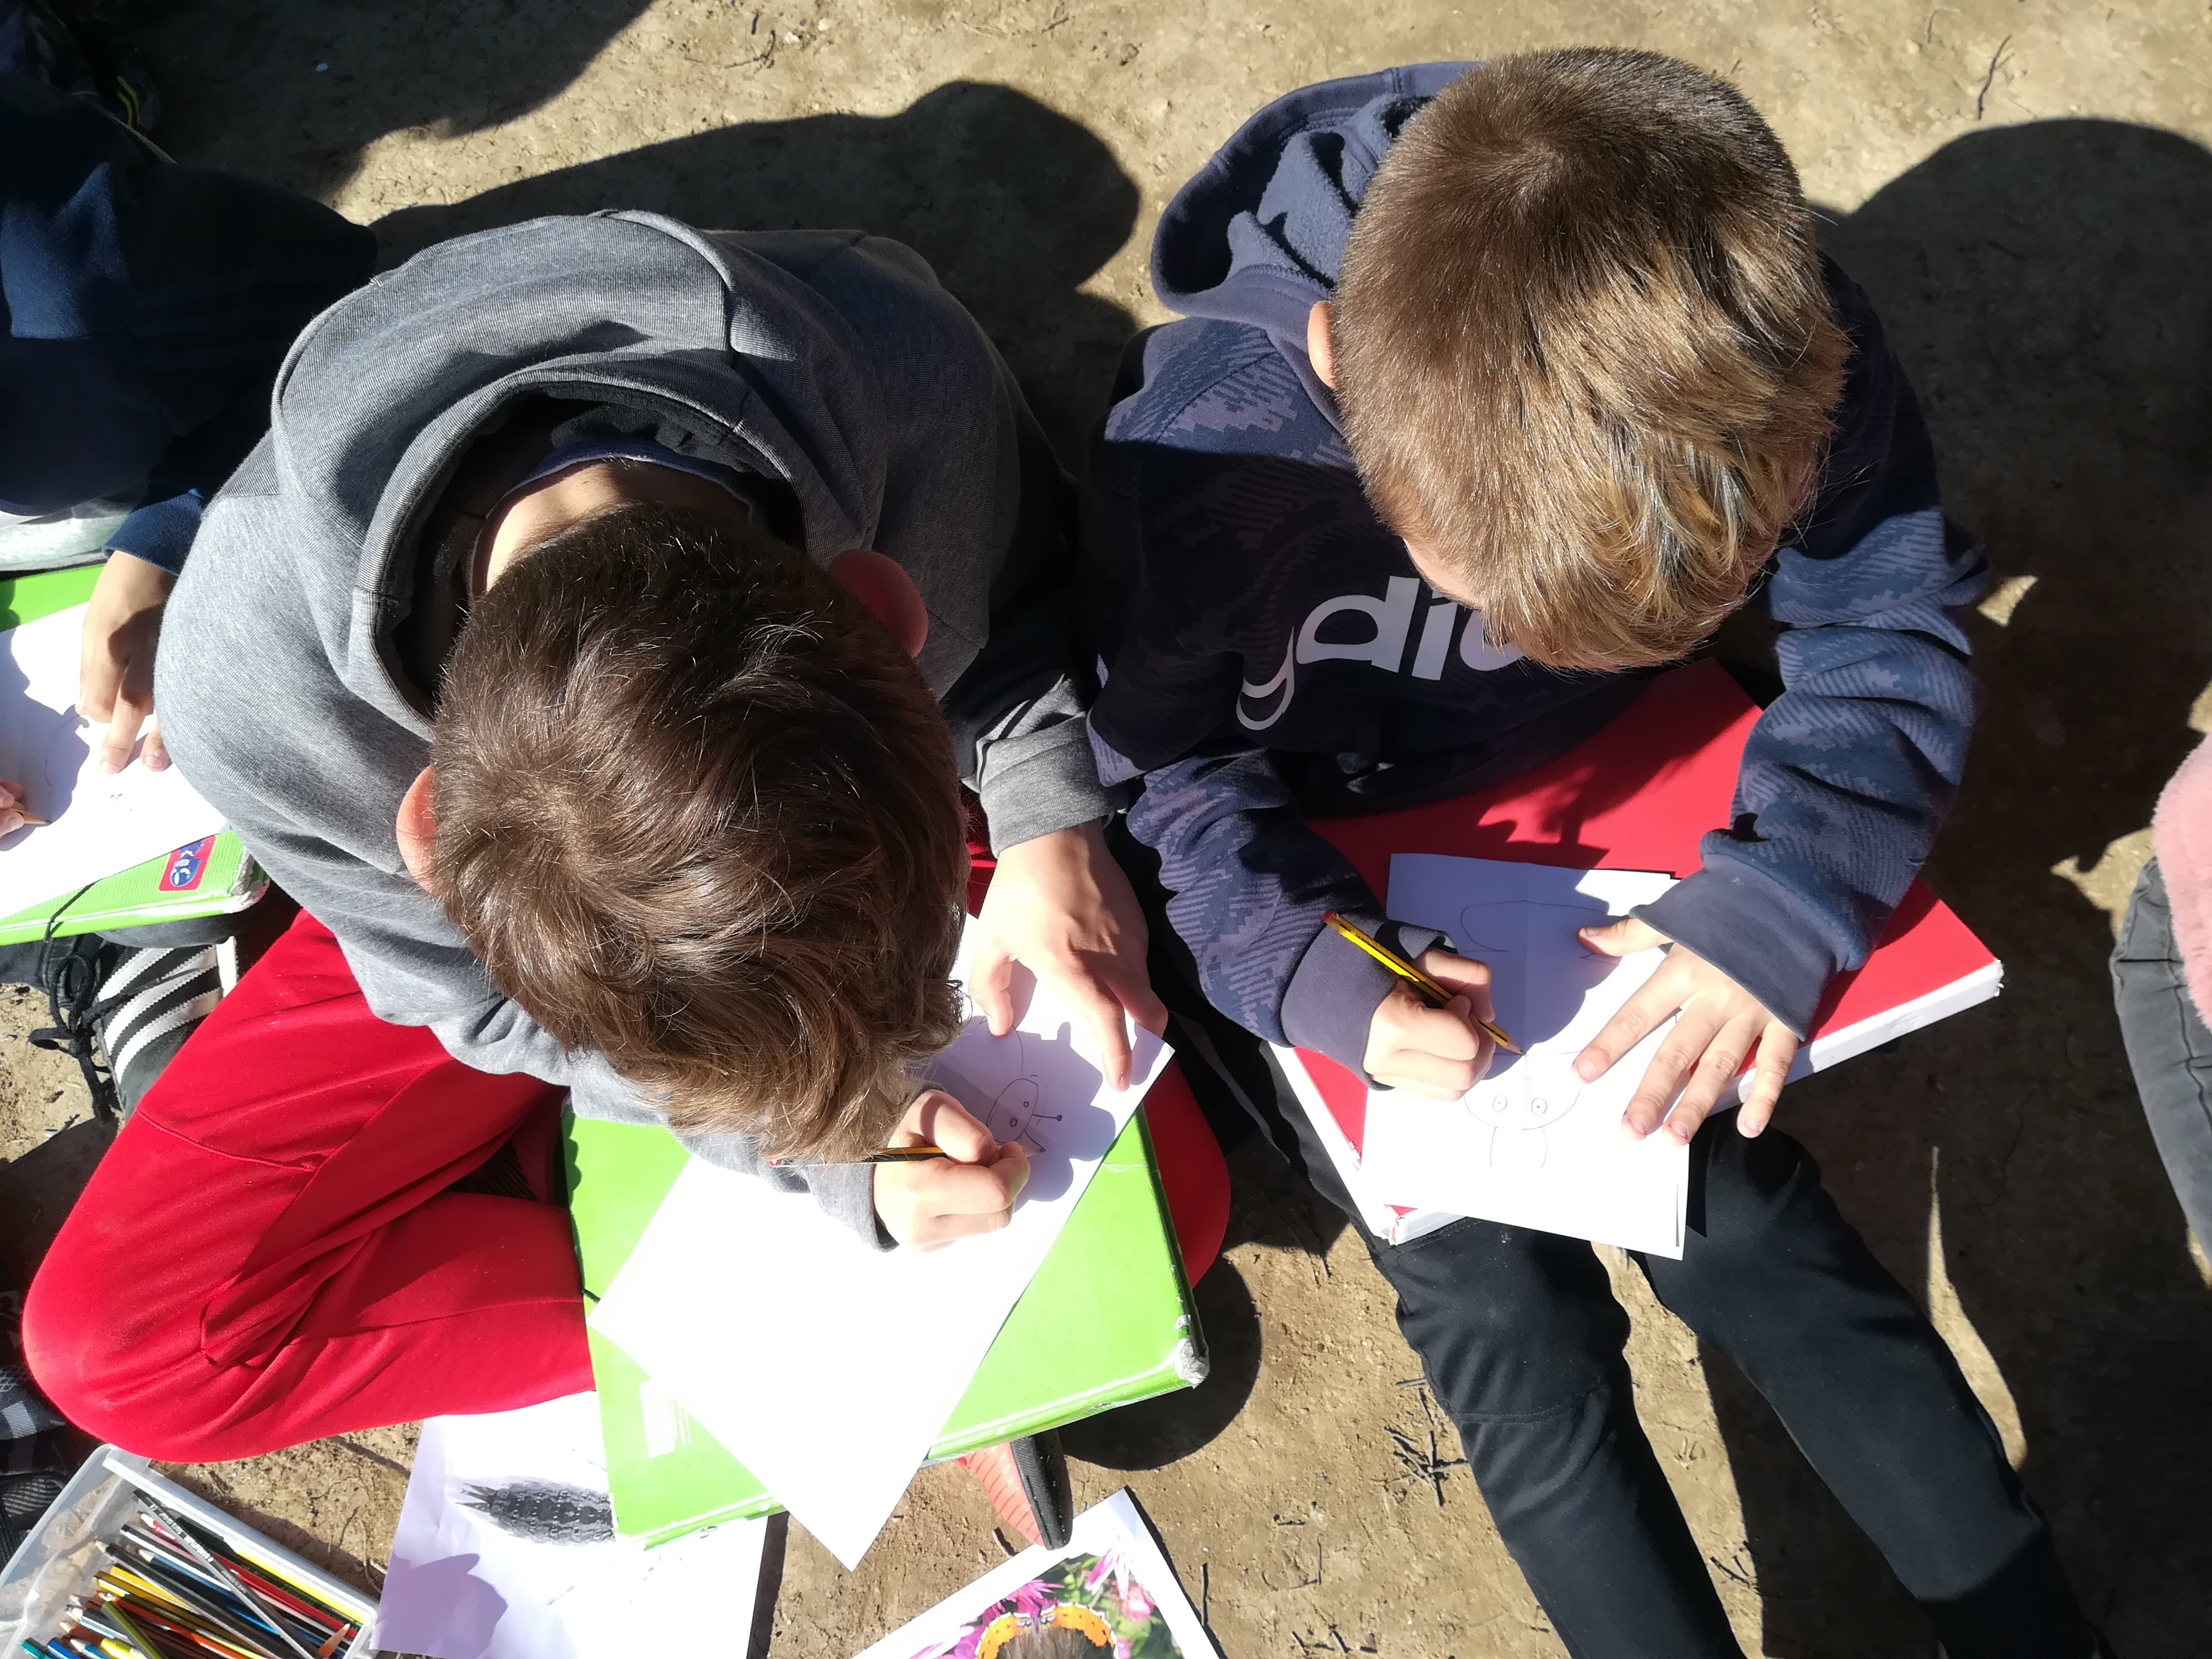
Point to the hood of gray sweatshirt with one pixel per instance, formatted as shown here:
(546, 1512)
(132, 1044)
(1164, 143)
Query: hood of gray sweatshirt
(829, 362)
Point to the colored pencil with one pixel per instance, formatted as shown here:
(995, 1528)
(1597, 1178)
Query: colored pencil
(1436, 995)
(208, 1631)
(232, 1623)
(888, 1155)
(207, 1559)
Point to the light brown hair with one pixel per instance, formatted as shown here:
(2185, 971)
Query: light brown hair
(698, 813)
(1584, 352)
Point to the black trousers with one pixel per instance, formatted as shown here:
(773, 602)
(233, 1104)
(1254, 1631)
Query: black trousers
(1522, 1340)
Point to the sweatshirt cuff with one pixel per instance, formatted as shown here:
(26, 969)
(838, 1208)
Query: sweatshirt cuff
(1331, 999)
(1756, 932)
(1042, 782)
(160, 533)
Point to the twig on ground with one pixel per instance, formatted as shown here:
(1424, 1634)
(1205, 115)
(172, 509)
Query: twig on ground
(1990, 78)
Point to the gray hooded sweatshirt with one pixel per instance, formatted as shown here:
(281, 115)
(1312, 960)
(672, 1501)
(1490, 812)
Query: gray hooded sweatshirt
(830, 366)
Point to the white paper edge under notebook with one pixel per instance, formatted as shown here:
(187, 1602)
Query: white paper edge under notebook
(493, 1515)
(1115, 1524)
(873, 1349)
(101, 821)
(1582, 1177)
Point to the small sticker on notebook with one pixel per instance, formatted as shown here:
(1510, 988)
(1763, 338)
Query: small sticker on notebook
(187, 864)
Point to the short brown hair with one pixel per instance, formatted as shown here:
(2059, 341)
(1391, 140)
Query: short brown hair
(697, 811)
(1585, 353)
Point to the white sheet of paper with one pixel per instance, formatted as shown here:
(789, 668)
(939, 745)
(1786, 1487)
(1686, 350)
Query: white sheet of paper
(1531, 1145)
(1116, 1553)
(827, 1368)
(101, 823)
(504, 1551)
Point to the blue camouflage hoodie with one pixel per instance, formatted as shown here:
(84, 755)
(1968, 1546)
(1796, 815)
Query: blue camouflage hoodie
(1271, 651)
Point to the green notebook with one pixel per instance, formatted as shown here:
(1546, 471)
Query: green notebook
(209, 876)
(1107, 1321)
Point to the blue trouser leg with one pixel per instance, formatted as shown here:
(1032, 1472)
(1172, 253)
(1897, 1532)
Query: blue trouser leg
(1777, 1281)
(1522, 1340)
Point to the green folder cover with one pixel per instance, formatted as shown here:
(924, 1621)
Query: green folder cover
(1107, 1321)
(208, 877)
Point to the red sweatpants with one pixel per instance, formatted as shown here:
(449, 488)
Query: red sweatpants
(269, 1254)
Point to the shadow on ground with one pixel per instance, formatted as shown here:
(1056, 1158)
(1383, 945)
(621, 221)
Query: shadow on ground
(38, 1189)
(453, 66)
(1015, 205)
(2043, 285)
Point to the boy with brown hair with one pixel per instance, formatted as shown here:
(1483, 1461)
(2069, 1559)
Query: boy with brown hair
(596, 648)
(1500, 387)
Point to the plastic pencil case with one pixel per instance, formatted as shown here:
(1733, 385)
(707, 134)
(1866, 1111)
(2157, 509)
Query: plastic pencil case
(57, 1561)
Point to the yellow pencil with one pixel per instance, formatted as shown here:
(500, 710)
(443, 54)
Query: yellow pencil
(888, 1155)
(1436, 995)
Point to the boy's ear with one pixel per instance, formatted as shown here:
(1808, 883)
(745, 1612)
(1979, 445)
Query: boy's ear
(1321, 344)
(417, 829)
(889, 592)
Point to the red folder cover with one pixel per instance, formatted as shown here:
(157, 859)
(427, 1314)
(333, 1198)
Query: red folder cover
(1637, 796)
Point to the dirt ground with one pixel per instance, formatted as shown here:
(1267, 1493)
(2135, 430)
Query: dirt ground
(2024, 187)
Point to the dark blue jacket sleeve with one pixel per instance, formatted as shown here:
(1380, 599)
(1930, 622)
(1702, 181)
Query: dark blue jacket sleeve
(1849, 773)
(148, 305)
(1248, 883)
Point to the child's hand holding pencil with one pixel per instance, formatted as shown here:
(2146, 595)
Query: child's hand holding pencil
(968, 1189)
(1426, 1045)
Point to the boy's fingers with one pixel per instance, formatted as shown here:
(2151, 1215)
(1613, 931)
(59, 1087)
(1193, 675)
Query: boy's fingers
(1103, 1014)
(1456, 973)
(1145, 1005)
(954, 1189)
(155, 754)
(123, 733)
(1723, 1058)
(1761, 1094)
(991, 983)
(1449, 1032)
(1428, 1074)
(1012, 1169)
(936, 1119)
(1624, 1029)
(1624, 938)
(1692, 1034)
(96, 686)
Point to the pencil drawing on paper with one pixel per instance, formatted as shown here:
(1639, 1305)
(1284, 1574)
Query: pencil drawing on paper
(1520, 1112)
(1016, 1111)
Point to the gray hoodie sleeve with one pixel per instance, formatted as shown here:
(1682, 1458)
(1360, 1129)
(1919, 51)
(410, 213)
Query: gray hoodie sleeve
(1019, 712)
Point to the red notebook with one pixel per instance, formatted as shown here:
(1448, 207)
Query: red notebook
(1637, 796)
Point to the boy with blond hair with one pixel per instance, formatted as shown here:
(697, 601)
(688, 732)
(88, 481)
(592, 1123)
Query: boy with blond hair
(1500, 387)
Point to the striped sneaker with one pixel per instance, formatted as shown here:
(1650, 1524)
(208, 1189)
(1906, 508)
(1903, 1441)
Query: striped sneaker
(150, 1001)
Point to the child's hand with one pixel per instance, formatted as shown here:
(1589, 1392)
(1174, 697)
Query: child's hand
(11, 807)
(1721, 1025)
(971, 1190)
(115, 671)
(1437, 1052)
(1059, 909)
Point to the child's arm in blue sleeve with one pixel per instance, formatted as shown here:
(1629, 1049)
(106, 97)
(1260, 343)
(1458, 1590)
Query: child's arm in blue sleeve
(1848, 774)
(1248, 883)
